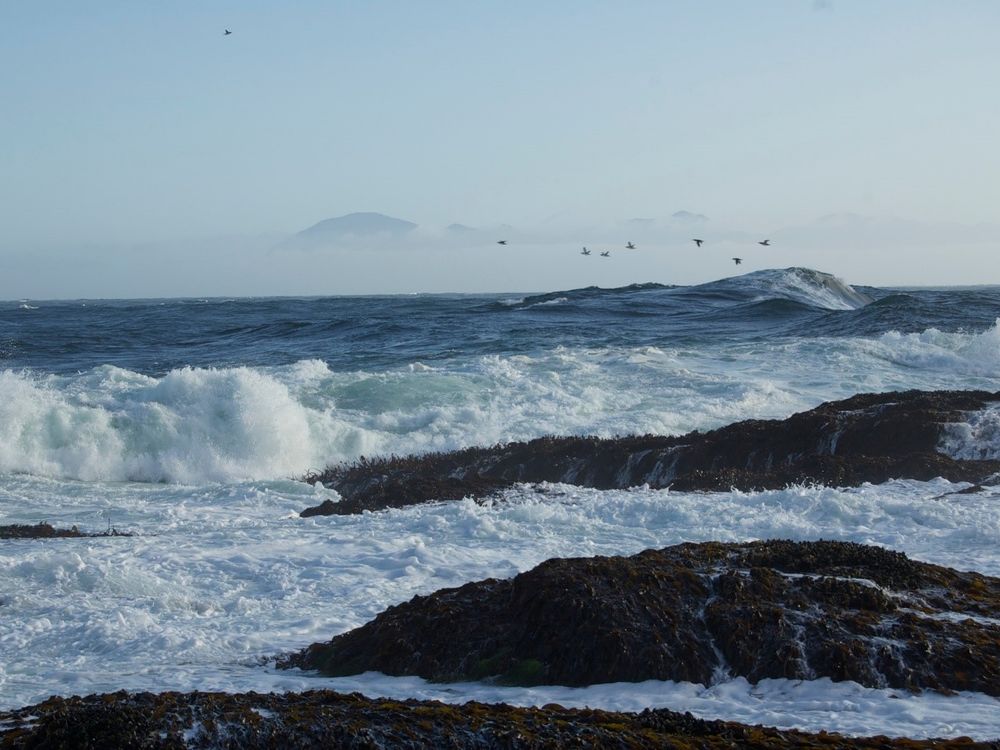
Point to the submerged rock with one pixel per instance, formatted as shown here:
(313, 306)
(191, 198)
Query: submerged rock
(866, 438)
(325, 719)
(695, 612)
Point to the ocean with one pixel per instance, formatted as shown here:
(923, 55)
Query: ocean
(189, 423)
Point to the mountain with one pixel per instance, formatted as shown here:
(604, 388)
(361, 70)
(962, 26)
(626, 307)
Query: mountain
(688, 216)
(357, 225)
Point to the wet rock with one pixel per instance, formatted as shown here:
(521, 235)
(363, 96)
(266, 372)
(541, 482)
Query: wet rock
(324, 719)
(38, 531)
(47, 531)
(866, 438)
(694, 612)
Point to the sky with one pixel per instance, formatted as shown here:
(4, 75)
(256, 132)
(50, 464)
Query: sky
(144, 153)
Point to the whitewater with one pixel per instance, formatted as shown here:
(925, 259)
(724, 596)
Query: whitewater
(189, 423)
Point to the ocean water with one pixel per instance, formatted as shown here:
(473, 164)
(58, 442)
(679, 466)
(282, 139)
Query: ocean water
(188, 422)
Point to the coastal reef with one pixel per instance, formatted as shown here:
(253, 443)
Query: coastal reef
(865, 438)
(697, 613)
(325, 719)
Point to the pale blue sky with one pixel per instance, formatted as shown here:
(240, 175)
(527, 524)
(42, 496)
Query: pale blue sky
(126, 122)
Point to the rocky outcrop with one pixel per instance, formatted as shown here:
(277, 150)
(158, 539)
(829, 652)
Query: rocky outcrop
(695, 612)
(324, 719)
(866, 438)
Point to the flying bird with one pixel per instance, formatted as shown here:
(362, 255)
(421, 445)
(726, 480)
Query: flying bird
(698, 242)
(737, 261)
(501, 242)
(227, 32)
(585, 251)
(629, 246)
(606, 254)
(765, 243)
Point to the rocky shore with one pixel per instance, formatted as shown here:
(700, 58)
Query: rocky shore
(866, 438)
(325, 719)
(695, 612)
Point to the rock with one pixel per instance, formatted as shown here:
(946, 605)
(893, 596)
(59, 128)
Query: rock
(798, 610)
(38, 531)
(325, 719)
(866, 438)
(46, 531)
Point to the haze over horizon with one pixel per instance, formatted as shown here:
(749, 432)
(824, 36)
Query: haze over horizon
(146, 154)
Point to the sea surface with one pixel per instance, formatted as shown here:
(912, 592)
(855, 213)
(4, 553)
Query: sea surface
(188, 423)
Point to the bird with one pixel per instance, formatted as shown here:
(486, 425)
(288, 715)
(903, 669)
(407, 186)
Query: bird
(765, 243)
(737, 261)
(585, 251)
(629, 246)
(501, 242)
(698, 242)
(227, 32)
(606, 254)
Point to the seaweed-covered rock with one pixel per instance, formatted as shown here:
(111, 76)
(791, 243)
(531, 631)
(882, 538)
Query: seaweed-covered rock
(695, 612)
(325, 719)
(866, 438)
(47, 531)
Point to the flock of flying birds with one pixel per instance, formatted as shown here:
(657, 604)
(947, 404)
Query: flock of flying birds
(606, 253)
(631, 246)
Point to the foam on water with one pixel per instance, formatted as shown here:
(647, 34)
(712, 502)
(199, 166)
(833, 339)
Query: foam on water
(196, 425)
(221, 576)
(976, 439)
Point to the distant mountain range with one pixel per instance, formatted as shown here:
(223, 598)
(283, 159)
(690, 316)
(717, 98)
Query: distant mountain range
(371, 225)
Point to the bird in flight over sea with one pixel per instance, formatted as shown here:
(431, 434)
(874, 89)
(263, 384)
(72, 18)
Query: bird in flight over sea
(606, 254)
(698, 242)
(585, 251)
(629, 246)
(227, 32)
(501, 242)
(765, 243)
(737, 261)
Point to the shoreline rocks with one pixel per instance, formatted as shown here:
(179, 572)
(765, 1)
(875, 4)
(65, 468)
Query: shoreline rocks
(325, 719)
(865, 438)
(694, 612)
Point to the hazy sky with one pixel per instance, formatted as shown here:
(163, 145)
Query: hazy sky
(131, 130)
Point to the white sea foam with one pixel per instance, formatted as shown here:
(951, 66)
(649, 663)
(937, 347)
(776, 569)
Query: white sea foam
(223, 575)
(978, 438)
(235, 424)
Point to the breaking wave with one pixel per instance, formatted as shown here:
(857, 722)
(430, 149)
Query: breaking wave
(195, 425)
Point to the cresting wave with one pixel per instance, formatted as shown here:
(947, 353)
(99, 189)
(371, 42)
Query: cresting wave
(196, 425)
(805, 286)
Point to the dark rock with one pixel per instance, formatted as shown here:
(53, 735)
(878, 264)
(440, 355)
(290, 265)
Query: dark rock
(866, 438)
(798, 610)
(46, 531)
(324, 719)
(38, 531)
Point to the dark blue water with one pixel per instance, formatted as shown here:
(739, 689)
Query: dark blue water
(352, 333)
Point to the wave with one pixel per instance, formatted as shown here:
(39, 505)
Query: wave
(204, 425)
(805, 286)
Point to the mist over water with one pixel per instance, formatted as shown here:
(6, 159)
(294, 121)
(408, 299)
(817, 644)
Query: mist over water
(188, 421)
